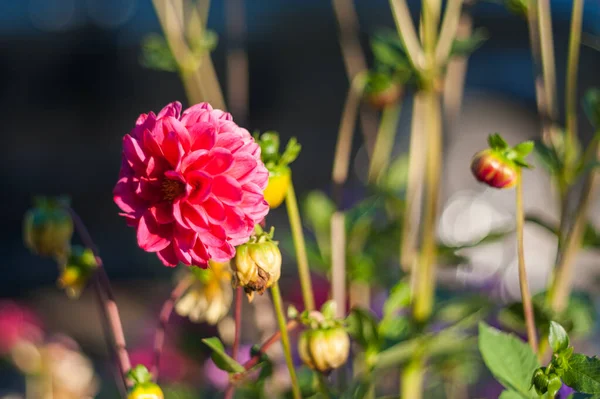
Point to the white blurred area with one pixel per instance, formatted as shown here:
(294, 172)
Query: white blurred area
(470, 210)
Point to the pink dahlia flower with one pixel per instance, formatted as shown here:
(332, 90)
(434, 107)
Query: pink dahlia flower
(191, 184)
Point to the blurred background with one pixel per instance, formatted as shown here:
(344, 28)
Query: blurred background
(71, 85)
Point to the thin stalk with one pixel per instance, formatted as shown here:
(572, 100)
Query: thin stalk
(238, 332)
(237, 60)
(561, 288)
(407, 32)
(448, 30)
(572, 68)
(548, 60)
(354, 61)
(285, 339)
(300, 247)
(111, 319)
(414, 186)
(412, 379)
(384, 142)
(523, 284)
(163, 320)
(338, 262)
(425, 273)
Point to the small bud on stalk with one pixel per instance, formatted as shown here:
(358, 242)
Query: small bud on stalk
(143, 387)
(48, 228)
(76, 272)
(382, 90)
(257, 264)
(280, 174)
(498, 165)
(540, 381)
(325, 344)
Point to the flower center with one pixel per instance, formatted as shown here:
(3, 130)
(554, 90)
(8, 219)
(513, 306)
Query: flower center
(172, 189)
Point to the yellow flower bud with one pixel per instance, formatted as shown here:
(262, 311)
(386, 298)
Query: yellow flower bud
(279, 182)
(257, 265)
(324, 349)
(146, 391)
(78, 270)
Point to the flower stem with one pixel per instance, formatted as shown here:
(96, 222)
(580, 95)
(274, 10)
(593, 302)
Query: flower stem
(238, 332)
(412, 379)
(525, 294)
(108, 307)
(384, 143)
(163, 321)
(548, 60)
(572, 67)
(300, 246)
(285, 339)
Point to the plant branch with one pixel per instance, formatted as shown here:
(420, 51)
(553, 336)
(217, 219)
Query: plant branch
(448, 30)
(163, 321)
(523, 284)
(285, 339)
(572, 68)
(407, 32)
(384, 144)
(239, 294)
(300, 246)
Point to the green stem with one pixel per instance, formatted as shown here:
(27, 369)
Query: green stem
(572, 67)
(412, 379)
(547, 52)
(300, 246)
(425, 273)
(285, 339)
(525, 294)
(384, 143)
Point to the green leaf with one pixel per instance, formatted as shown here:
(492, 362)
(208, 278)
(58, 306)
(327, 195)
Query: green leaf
(559, 340)
(362, 327)
(591, 105)
(291, 152)
(508, 394)
(156, 54)
(393, 327)
(583, 374)
(222, 360)
(464, 47)
(318, 208)
(399, 298)
(140, 374)
(496, 142)
(387, 55)
(357, 390)
(511, 361)
(328, 310)
(524, 148)
(548, 157)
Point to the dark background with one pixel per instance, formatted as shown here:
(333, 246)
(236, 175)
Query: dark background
(71, 86)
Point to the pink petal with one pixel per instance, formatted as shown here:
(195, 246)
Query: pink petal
(220, 160)
(214, 236)
(151, 236)
(222, 253)
(152, 142)
(227, 189)
(170, 124)
(125, 198)
(162, 212)
(194, 160)
(156, 167)
(148, 189)
(203, 136)
(195, 216)
(144, 121)
(243, 165)
(231, 141)
(214, 209)
(178, 214)
(134, 153)
(234, 221)
(200, 255)
(252, 194)
(173, 149)
(172, 109)
(201, 186)
(167, 256)
(183, 243)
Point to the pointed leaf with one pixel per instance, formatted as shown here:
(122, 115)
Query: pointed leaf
(524, 148)
(399, 298)
(496, 142)
(559, 340)
(222, 360)
(583, 374)
(464, 47)
(509, 359)
(547, 156)
(591, 105)
(362, 326)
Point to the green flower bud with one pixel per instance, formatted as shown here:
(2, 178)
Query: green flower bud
(540, 381)
(77, 271)
(257, 265)
(382, 90)
(269, 146)
(554, 385)
(324, 349)
(48, 228)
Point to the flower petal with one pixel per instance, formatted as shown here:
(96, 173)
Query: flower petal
(172, 109)
(243, 165)
(183, 243)
(173, 125)
(195, 216)
(162, 212)
(227, 189)
(223, 253)
(125, 198)
(214, 209)
(151, 236)
(167, 256)
(134, 154)
(201, 184)
(220, 160)
(203, 136)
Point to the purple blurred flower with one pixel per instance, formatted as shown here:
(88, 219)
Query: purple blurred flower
(219, 378)
(564, 392)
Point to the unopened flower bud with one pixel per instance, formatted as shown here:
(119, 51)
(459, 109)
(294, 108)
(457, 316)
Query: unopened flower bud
(257, 264)
(148, 390)
(554, 385)
(540, 381)
(279, 182)
(383, 91)
(324, 349)
(48, 228)
(76, 273)
(490, 168)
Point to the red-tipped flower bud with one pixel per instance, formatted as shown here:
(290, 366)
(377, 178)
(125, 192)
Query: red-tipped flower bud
(491, 169)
